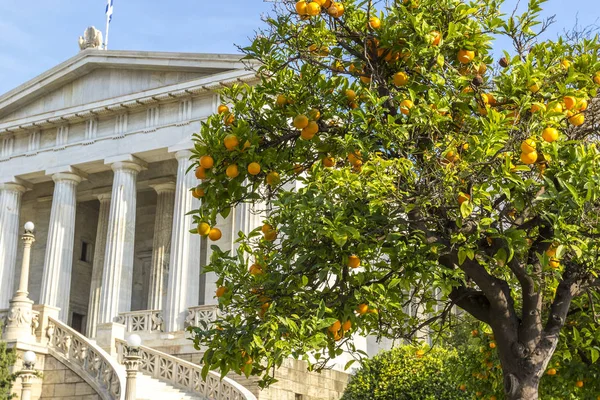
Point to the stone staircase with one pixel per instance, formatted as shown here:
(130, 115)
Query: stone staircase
(149, 388)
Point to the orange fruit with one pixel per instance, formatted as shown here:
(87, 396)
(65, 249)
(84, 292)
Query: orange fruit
(336, 10)
(256, 269)
(550, 134)
(551, 252)
(214, 234)
(301, 7)
(420, 353)
(281, 100)
(556, 107)
(254, 168)
(462, 197)
(266, 228)
(310, 131)
(273, 178)
(228, 119)
(353, 261)
(565, 64)
(198, 192)
(535, 107)
(451, 156)
(221, 291)
(314, 114)
(222, 109)
(365, 79)
(576, 119)
(534, 87)
(554, 263)
(231, 142)
(405, 106)
(354, 158)
(569, 101)
(528, 146)
(463, 387)
(300, 121)
(492, 345)
(328, 162)
(346, 326)
(206, 162)
(298, 168)
(582, 105)
(350, 95)
(232, 171)
(203, 229)
(436, 38)
(474, 332)
(374, 22)
(400, 78)
(200, 173)
(336, 326)
(271, 235)
(313, 9)
(597, 81)
(465, 56)
(579, 384)
(529, 158)
(362, 308)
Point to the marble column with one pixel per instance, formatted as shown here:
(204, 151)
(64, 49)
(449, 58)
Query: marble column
(161, 244)
(10, 206)
(184, 266)
(117, 275)
(98, 264)
(58, 262)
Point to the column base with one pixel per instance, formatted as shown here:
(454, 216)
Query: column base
(106, 334)
(20, 321)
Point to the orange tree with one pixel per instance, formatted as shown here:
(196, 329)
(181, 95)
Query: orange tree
(398, 164)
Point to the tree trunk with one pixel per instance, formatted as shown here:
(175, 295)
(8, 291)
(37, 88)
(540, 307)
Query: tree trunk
(521, 387)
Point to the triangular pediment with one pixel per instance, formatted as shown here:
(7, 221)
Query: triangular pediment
(96, 75)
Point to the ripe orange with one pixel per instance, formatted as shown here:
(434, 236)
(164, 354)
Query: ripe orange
(346, 326)
(436, 38)
(256, 269)
(463, 387)
(354, 158)
(529, 158)
(221, 291)
(570, 102)
(451, 156)
(579, 384)
(271, 235)
(281, 100)
(314, 114)
(203, 229)
(231, 142)
(266, 228)
(300, 121)
(301, 7)
(232, 171)
(400, 78)
(462, 197)
(328, 161)
(550, 134)
(474, 332)
(576, 119)
(353, 261)
(493, 398)
(254, 168)
(405, 106)
(565, 64)
(313, 9)
(551, 252)
(298, 168)
(310, 131)
(198, 192)
(350, 95)
(214, 234)
(597, 81)
(374, 22)
(200, 173)
(554, 263)
(492, 345)
(336, 326)
(228, 119)
(535, 107)
(206, 162)
(466, 56)
(528, 146)
(556, 107)
(420, 353)
(534, 87)
(273, 178)
(551, 372)
(362, 309)
(581, 105)
(222, 109)
(365, 79)
(336, 10)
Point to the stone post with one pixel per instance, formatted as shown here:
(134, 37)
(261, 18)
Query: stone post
(10, 206)
(58, 262)
(184, 266)
(27, 375)
(115, 294)
(98, 264)
(19, 323)
(132, 364)
(161, 244)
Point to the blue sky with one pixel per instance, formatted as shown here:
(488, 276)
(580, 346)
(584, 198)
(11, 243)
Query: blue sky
(35, 35)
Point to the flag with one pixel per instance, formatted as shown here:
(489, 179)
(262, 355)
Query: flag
(109, 10)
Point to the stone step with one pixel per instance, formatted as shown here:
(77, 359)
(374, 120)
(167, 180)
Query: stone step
(149, 388)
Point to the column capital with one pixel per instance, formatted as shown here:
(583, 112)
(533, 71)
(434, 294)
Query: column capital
(183, 154)
(66, 176)
(13, 187)
(66, 172)
(163, 187)
(126, 161)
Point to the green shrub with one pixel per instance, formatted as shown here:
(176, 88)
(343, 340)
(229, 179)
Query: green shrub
(404, 374)
(7, 360)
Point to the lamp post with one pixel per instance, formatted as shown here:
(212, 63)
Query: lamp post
(20, 313)
(27, 374)
(132, 364)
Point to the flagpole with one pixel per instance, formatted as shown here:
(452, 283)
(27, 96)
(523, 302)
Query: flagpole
(107, 26)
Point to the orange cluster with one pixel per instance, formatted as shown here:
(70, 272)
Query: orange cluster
(315, 7)
(338, 329)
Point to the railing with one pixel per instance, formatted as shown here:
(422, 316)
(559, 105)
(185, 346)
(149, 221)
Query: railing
(202, 316)
(186, 375)
(86, 359)
(141, 321)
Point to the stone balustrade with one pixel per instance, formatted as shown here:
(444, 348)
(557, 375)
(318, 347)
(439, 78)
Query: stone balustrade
(141, 321)
(202, 316)
(86, 359)
(186, 375)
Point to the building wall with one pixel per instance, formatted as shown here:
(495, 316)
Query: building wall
(61, 383)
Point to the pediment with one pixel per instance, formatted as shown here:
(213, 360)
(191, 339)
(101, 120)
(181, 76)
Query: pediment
(96, 75)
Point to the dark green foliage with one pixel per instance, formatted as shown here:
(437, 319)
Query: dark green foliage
(404, 374)
(7, 360)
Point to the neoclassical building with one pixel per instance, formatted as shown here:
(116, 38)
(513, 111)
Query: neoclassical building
(95, 152)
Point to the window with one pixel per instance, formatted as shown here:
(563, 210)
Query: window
(77, 322)
(85, 251)
(298, 396)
